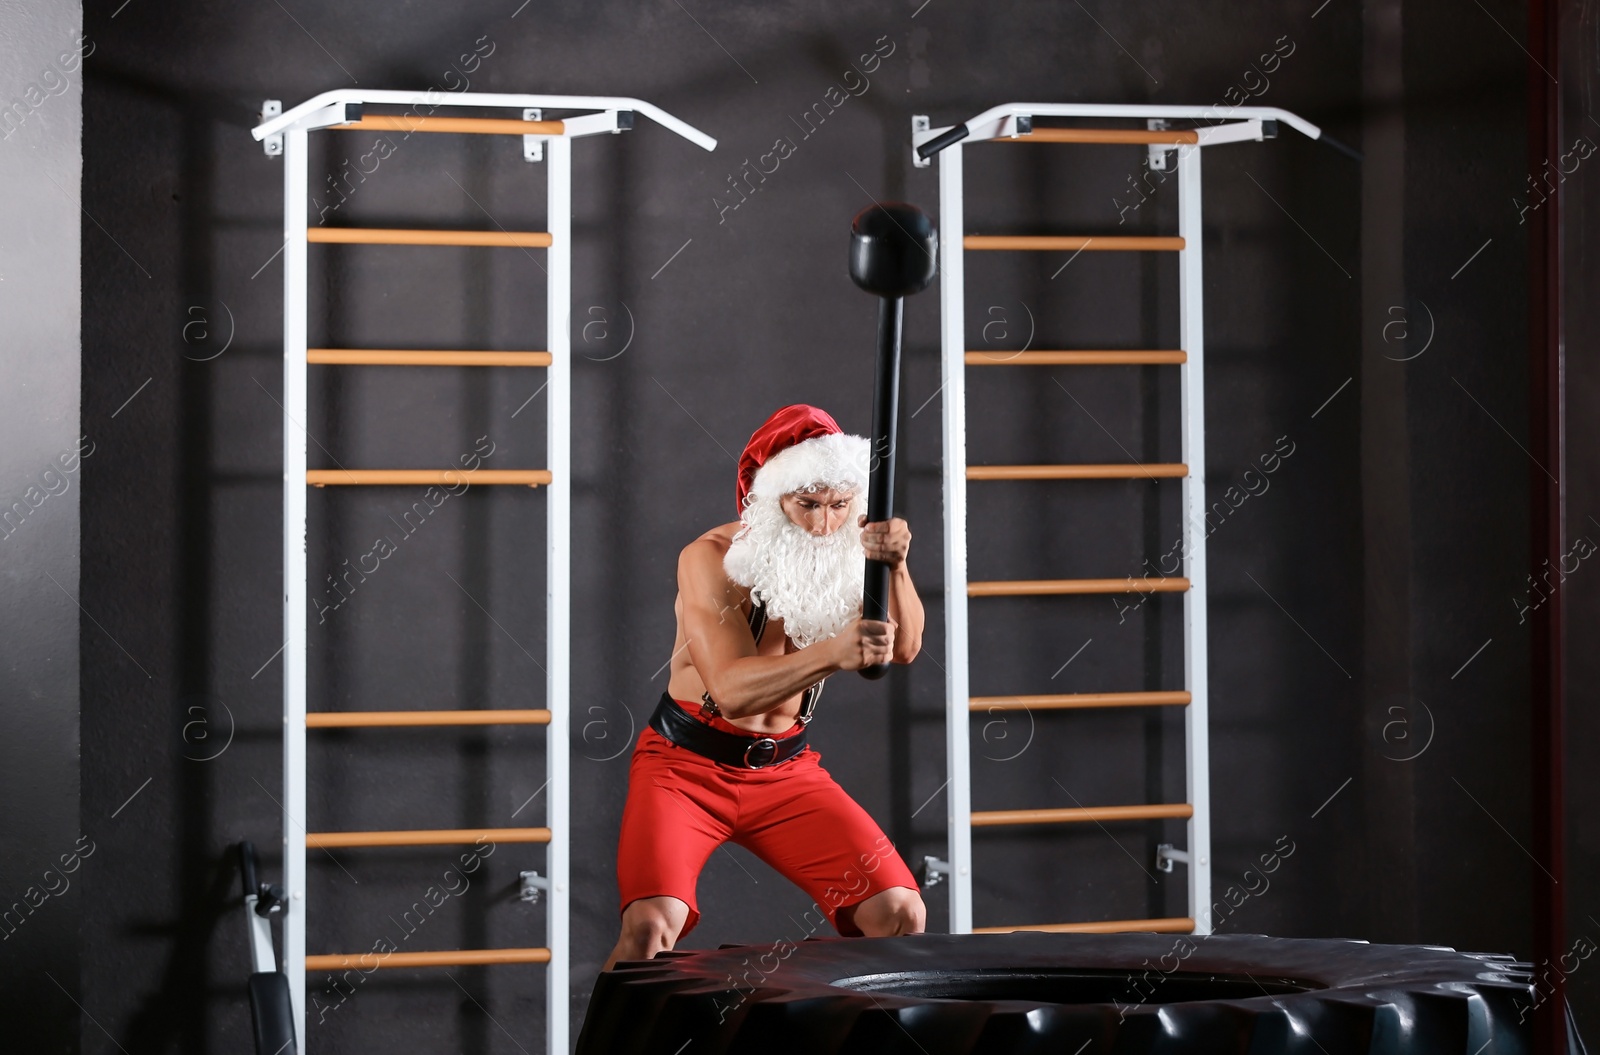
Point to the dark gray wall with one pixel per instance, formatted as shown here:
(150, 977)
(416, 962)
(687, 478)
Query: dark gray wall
(1378, 560)
(1580, 225)
(43, 865)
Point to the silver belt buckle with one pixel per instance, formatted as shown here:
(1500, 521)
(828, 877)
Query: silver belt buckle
(770, 744)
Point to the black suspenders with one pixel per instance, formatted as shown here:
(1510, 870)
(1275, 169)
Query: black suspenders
(758, 620)
(758, 626)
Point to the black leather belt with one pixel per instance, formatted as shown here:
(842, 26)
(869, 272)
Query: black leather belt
(746, 752)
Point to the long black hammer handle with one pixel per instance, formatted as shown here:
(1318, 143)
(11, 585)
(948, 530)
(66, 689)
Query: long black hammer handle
(894, 252)
(880, 483)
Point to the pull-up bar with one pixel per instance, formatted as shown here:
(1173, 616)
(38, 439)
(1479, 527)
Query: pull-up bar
(494, 126)
(1015, 121)
(319, 111)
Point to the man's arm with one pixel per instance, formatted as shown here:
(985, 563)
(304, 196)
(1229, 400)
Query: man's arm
(905, 608)
(724, 654)
(889, 541)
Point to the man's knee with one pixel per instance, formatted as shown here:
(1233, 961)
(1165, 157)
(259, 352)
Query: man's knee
(648, 926)
(907, 910)
(898, 910)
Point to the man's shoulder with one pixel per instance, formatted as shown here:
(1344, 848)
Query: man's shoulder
(715, 541)
(709, 548)
(700, 569)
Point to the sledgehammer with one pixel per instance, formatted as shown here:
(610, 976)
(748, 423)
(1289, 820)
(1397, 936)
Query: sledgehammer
(894, 252)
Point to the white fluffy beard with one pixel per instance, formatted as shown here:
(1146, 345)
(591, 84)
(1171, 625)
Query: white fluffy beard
(813, 583)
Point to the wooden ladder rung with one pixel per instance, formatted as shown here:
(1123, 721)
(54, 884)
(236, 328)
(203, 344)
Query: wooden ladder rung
(1178, 925)
(1069, 701)
(1172, 136)
(1044, 587)
(494, 126)
(1078, 814)
(1082, 471)
(336, 961)
(442, 837)
(445, 477)
(368, 719)
(422, 357)
(1085, 357)
(398, 236)
(1090, 242)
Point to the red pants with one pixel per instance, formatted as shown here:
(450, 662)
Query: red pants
(682, 806)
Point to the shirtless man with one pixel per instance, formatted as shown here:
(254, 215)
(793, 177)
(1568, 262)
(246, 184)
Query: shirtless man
(767, 608)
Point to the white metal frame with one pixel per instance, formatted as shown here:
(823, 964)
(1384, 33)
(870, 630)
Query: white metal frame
(1245, 123)
(953, 346)
(286, 134)
(1196, 669)
(558, 595)
(296, 169)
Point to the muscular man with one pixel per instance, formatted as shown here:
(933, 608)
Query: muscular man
(768, 606)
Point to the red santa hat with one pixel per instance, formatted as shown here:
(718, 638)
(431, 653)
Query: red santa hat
(800, 447)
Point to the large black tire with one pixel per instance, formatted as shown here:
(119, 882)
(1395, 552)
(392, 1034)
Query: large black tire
(1075, 994)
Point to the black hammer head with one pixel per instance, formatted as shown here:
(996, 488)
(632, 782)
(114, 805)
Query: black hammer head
(894, 249)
